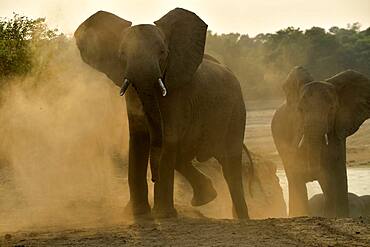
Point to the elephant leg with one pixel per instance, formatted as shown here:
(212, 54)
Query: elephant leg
(341, 186)
(329, 197)
(298, 201)
(335, 190)
(232, 171)
(203, 190)
(163, 187)
(137, 172)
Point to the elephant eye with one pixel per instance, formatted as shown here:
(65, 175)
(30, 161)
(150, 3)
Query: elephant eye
(163, 51)
(332, 108)
(302, 104)
(122, 55)
(162, 54)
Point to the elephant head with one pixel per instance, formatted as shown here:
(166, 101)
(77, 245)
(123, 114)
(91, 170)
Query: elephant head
(329, 110)
(154, 59)
(298, 77)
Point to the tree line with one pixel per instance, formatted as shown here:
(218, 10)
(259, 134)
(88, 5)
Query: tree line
(261, 63)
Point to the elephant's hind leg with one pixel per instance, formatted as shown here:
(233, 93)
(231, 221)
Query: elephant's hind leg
(203, 190)
(232, 171)
(230, 157)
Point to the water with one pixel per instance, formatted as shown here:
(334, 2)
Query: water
(358, 182)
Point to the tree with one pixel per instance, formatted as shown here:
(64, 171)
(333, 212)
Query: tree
(19, 38)
(261, 63)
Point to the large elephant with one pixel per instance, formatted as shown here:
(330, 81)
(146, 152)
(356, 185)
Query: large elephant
(181, 105)
(310, 132)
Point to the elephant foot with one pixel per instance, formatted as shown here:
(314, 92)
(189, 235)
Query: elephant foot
(204, 194)
(137, 209)
(160, 213)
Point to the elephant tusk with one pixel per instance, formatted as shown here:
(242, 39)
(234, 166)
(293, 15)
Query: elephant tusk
(163, 87)
(301, 142)
(124, 87)
(326, 139)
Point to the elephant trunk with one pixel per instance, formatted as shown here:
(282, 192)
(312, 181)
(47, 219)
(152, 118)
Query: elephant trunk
(153, 115)
(314, 152)
(147, 81)
(315, 139)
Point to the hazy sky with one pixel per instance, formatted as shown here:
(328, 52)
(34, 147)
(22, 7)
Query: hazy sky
(244, 16)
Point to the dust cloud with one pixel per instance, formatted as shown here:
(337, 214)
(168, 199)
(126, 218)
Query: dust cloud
(63, 151)
(63, 146)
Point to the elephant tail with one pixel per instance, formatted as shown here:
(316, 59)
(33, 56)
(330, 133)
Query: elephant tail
(251, 172)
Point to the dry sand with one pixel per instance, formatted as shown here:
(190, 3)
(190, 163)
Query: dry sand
(186, 231)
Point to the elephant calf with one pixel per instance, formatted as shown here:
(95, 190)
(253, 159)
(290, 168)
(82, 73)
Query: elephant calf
(358, 205)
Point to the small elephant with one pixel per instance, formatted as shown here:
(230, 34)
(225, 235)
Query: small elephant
(358, 206)
(366, 201)
(310, 132)
(181, 104)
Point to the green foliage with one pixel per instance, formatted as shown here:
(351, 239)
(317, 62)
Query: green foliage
(20, 37)
(262, 63)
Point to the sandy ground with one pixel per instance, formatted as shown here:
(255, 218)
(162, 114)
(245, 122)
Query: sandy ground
(206, 232)
(191, 228)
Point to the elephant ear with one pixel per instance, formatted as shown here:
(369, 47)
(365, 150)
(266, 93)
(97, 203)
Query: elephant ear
(296, 79)
(353, 91)
(185, 35)
(98, 39)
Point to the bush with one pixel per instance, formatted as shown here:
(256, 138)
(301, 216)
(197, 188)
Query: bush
(20, 37)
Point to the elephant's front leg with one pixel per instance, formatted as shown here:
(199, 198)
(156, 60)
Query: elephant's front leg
(342, 197)
(298, 201)
(137, 172)
(333, 181)
(163, 188)
(203, 190)
(335, 189)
